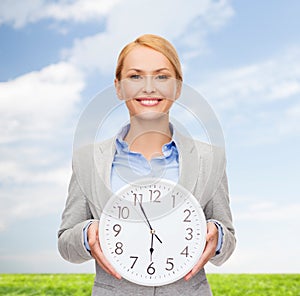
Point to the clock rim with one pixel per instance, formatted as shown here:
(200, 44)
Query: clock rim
(105, 251)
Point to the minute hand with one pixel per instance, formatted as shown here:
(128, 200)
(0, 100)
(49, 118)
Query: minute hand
(152, 230)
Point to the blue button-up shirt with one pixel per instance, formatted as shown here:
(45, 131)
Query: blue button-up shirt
(129, 166)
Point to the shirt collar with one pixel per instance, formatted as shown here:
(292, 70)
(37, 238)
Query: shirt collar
(122, 146)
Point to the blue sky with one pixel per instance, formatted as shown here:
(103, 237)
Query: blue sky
(243, 56)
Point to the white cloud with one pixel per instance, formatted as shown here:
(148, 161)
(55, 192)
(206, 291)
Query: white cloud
(21, 13)
(213, 13)
(38, 102)
(258, 99)
(277, 78)
(36, 111)
(265, 232)
(42, 192)
(262, 209)
(289, 122)
(276, 257)
(79, 10)
(98, 52)
(185, 27)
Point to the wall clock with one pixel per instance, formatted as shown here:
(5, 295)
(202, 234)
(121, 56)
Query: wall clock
(153, 233)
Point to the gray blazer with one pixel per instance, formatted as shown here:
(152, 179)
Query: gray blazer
(202, 171)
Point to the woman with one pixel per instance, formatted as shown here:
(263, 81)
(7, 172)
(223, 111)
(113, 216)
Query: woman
(149, 78)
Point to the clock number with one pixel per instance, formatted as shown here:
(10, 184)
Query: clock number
(136, 199)
(135, 259)
(174, 200)
(117, 228)
(187, 216)
(185, 251)
(123, 212)
(154, 195)
(169, 261)
(151, 269)
(189, 235)
(119, 249)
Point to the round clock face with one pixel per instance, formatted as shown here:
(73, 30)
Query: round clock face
(153, 233)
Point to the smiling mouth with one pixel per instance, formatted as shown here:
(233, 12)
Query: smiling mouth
(149, 101)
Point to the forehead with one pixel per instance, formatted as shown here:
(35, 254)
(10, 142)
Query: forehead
(146, 59)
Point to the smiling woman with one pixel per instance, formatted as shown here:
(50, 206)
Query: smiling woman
(148, 82)
(149, 79)
(150, 86)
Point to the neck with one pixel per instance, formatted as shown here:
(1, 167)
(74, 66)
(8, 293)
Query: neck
(148, 133)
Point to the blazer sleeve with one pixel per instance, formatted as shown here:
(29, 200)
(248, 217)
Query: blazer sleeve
(75, 217)
(218, 209)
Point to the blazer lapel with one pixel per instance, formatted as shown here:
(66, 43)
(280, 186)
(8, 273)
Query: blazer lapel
(103, 158)
(189, 162)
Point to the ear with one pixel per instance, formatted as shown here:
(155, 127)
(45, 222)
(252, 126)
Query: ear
(118, 88)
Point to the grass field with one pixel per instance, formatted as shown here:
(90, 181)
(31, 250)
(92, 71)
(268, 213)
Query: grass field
(80, 284)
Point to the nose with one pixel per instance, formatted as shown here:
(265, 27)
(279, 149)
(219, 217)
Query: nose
(149, 86)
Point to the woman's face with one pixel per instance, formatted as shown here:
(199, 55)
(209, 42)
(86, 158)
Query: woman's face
(148, 82)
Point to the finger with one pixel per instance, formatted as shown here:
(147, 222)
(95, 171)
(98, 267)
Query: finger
(208, 253)
(200, 264)
(96, 251)
(103, 262)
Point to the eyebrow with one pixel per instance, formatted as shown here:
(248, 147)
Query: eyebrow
(155, 71)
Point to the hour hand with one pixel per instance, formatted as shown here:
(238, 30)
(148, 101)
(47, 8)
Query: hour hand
(151, 247)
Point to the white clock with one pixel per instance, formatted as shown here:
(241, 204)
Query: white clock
(152, 233)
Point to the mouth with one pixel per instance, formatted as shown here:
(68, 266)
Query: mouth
(149, 102)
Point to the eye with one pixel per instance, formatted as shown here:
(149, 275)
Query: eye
(162, 77)
(135, 76)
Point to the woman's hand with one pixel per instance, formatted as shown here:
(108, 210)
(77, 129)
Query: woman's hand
(93, 240)
(209, 250)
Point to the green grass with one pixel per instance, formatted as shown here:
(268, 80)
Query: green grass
(81, 284)
(46, 284)
(255, 284)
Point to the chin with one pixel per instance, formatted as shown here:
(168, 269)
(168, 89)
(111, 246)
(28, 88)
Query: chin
(151, 115)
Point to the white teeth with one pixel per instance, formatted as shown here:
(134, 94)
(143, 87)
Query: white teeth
(149, 102)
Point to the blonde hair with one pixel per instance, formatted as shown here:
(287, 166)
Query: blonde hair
(157, 43)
